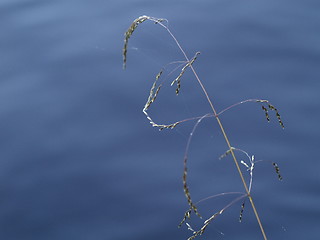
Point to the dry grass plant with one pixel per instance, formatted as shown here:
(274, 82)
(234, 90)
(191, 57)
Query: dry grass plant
(249, 164)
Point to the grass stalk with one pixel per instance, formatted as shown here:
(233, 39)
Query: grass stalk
(266, 105)
(223, 132)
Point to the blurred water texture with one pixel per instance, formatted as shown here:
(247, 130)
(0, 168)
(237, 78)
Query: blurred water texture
(78, 159)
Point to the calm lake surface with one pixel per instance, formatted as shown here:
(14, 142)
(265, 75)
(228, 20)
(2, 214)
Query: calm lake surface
(78, 158)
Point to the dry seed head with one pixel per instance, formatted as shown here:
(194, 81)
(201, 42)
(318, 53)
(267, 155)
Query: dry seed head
(153, 94)
(151, 98)
(205, 225)
(277, 170)
(128, 34)
(185, 217)
(272, 108)
(226, 153)
(178, 79)
(130, 31)
(187, 192)
(266, 112)
(241, 212)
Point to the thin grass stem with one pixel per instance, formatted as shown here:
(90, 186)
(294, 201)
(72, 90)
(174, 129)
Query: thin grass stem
(222, 130)
(266, 107)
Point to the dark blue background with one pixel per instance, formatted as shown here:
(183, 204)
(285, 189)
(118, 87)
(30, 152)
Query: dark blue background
(78, 159)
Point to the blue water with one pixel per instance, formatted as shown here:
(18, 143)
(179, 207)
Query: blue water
(78, 159)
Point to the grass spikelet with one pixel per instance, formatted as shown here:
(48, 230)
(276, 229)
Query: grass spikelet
(154, 91)
(226, 153)
(277, 114)
(153, 94)
(185, 217)
(205, 225)
(272, 108)
(178, 79)
(185, 169)
(266, 112)
(209, 220)
(128, 34)
(277, 170)
(163, 126)
(241, 211)
(187, 192)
